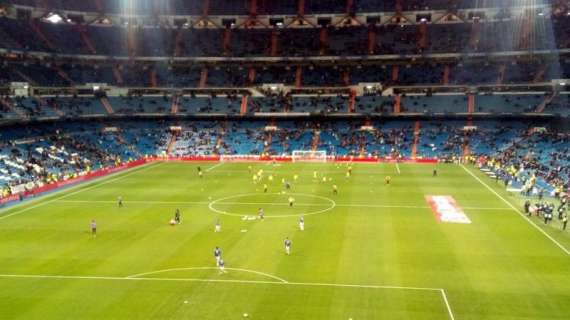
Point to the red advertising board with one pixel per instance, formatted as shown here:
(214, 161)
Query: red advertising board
(445, 209)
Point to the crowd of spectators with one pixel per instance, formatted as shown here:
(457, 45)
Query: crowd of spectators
(45, 154)
(50, 158)
(32, 155)
(546, 155)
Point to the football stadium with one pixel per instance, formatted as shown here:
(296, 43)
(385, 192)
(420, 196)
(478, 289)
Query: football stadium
(285, 159)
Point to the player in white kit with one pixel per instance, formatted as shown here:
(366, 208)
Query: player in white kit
(287, 243)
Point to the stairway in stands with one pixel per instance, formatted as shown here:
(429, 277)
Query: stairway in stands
(316, 139)
(172, 142)
(107, 105)
(267, 142)
(243, 106)
(175, 104)
(62, 74)
(220, 139)
(43, 103)
(362, 146)
(38, 31)
(540, 108)
(24, 76)
(86, 39)
(117, 75)
(21, 113)
(465, 146)
(416, 139)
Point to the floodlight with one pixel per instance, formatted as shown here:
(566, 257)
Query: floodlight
(53, 17)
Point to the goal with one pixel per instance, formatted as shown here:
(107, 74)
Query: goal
(309, 156)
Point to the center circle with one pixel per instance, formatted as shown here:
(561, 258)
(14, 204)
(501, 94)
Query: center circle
(282, 204)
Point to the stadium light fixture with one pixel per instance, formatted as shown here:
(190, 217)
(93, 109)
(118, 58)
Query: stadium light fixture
(562, 83)
(53, 17)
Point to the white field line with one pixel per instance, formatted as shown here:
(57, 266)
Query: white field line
(398, 168)
(134, 202)
(63, 277)
(214, 167)
(349, 205)
(517, 211)
(138, 275)
(444, 296)
(316, 284)
(364, 286)
(337, 171)
(308, 284)
(96, 183)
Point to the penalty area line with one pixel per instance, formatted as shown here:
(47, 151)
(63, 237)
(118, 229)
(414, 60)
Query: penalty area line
(517, 211)
(447, 305)
(278, 281)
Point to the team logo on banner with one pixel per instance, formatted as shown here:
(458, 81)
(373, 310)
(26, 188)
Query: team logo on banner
(446, 209)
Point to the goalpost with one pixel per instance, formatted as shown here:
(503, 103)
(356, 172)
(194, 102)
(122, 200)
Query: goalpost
(309, 156)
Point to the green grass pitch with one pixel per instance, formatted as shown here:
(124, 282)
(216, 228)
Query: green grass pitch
(371, 252)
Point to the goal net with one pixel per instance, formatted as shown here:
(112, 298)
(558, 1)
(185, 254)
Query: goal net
(309, 156)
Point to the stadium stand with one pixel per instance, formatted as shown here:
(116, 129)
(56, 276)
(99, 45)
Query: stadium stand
(116, 115)
(351, 83)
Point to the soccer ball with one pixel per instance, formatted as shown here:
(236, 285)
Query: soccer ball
(245, 315)
(172, 222)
